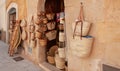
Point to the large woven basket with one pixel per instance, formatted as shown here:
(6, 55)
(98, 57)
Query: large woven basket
(60, 62)
(51, 59)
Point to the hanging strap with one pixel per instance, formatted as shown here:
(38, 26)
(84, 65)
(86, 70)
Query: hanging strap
(80, 20)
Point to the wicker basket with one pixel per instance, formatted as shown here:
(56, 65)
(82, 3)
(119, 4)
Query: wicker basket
(38, 34)
(23, 23)
(51, 59)
(24, 35)
(32, 36)
(51, 25)
(51, 34)
(32, 28)
(50, 16)
(61, 36)
(61, 27)
(43, 42)
(61, 52)
(60, 62)
(45, 20)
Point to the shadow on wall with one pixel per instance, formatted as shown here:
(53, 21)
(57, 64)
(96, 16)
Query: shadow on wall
(2, 35)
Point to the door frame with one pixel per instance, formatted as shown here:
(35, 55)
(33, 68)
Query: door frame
(12, 5)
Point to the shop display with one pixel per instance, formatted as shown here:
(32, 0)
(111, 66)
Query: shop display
(16, 39)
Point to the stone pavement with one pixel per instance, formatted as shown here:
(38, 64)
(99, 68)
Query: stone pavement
(8, 64)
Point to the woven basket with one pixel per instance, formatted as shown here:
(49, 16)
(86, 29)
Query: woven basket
(51, 34)
(24, 35)
(23, 23)
(45, 20)
(50, 16)
(37, 28)
(61, 52)
(38, 34)
(32, 28)
(51, 25)
(32, 36)
(43, 42)
(61, 27)
(60, 62)
(32, 43)
(51, 59)
(81, 48)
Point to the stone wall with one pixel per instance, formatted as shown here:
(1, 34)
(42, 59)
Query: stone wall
(22, 8)
(104, 16)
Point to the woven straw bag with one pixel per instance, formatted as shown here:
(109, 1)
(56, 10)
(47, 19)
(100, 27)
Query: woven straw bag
(61, 52)
(38, 34)
(23, 23)
(45, 20)
(50, 16)
(51, 25)
(81, 24)
(24, 35)
(61, 36)
(43, 42)
(51, 34)
(81, 48)
(60, 62)
(32, 36)
(32, 43)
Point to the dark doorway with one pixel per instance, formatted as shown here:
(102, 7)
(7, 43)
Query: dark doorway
(12, 20)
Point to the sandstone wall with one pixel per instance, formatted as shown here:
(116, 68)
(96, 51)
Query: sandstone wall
(22, 8)
(104, 14)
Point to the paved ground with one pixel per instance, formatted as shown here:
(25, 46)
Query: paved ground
(8, 64)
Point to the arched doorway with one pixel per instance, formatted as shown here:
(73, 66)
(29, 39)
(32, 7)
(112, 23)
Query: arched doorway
(11, 21)
(12, 15)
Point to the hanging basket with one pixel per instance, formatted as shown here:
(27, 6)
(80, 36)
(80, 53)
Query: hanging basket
(32, 36)
(51, 25)
(81, 48)
(45, 20)
(43, 42)
(24, 35)
(23, 23)
(50, 16)
(38, 34)
(85, 28)
(32, 28)
(37, 28)
(51, 34)
(32, 43)
(61, 27)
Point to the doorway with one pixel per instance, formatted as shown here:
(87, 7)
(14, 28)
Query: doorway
(11, 22)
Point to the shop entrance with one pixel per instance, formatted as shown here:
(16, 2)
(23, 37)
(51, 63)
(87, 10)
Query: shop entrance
(55, 34)
(11, 21)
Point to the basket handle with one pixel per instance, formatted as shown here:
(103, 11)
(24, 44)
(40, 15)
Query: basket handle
(80, 19)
